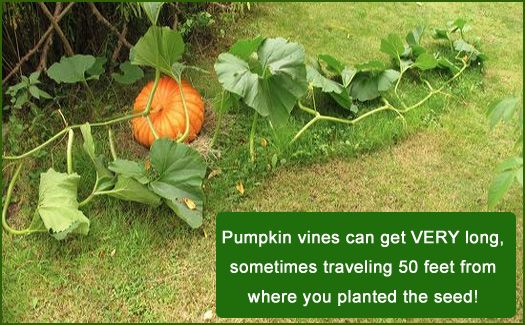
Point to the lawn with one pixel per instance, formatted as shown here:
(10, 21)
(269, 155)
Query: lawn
(141, 264)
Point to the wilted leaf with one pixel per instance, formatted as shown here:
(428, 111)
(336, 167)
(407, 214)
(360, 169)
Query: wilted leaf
(214, 173)
(190, 204)
(58, 206)
(240, 187)
(130, 74)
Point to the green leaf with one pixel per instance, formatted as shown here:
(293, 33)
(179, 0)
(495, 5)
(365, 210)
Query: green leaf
(71, 69)
(368, 86)
(33, 78)
(370, 66)
(343, 99)
(97, 68)
(34, 91)
(131, 169)
(499, 186)
(159, 48)
(58, 206)
(333, 64)
(130, 74)
(446, 64)
(503, 109)
(414, 37)
(393, 46)
(243, 49)
(426, 62)
(275, 91)
(319, 81)
(129, 189)
(152, 10)
(441, 34)
(459, 23)
(181, 170)
(347, 75)
(519, 176)
(511, 163)
(417, 50)
(105, 179)
(21, 100)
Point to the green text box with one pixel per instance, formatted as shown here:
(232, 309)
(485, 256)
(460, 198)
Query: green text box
(479, 293)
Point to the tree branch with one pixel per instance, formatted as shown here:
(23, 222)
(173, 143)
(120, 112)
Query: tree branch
(37, 46)
(58, 30)
(103, 20)
(42, 65)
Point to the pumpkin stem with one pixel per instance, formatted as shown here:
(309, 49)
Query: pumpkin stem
(187, 129)
(70, 151)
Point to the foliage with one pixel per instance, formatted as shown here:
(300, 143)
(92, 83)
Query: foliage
(77, 68)
(130, 74)
(511, 169)
(27, 89)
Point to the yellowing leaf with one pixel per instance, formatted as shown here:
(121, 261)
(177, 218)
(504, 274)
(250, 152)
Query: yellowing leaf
(147, 164)
(240, 187)
(264, 142)
(190, 203)
(214, 173)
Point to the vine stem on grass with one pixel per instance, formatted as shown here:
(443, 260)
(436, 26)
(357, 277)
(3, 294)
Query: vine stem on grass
(6, 207)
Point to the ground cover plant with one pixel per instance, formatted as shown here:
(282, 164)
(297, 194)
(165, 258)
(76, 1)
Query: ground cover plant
(174, 172)
(141, 263)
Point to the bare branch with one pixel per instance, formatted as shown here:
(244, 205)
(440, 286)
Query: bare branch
(42, 65)
(58, 30)
(103, 20)
(37, 46)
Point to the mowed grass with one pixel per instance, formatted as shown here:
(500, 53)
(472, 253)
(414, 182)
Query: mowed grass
(141, 264)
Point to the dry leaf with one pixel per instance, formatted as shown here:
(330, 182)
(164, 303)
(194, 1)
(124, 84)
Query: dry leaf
(214, 173)
(205, 234)
(208, 315)
(113, 252)
(240, 187)
(101, 254)
(190, 204)
(147, 164)
(264, 142)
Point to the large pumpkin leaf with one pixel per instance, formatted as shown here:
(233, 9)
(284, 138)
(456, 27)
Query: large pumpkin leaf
(105, 179)
(181, 170)
(159, 48)
(129, 189)
(319, 81)
(73, 69)
(58, 206)
(130, 74)
(426, 62)
(273, 91)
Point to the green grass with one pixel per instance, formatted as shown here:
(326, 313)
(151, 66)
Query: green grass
(141, 264)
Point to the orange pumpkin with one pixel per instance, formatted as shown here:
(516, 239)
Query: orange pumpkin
(167, 112)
